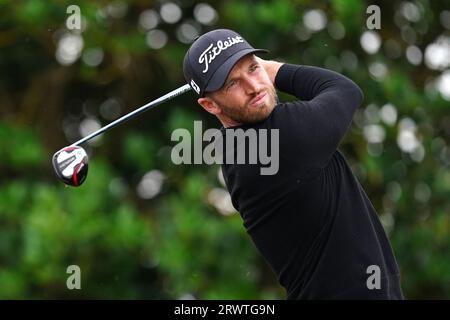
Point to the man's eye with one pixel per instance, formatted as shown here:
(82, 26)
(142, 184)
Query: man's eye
(231, 83)
(253, 67)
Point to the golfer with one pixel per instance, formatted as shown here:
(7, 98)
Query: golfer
(311, 221)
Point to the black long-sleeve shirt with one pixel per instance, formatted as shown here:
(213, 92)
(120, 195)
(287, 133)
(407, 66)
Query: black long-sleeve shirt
(312, 221)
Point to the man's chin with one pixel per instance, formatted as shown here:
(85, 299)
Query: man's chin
(253, 114)
(260, 116)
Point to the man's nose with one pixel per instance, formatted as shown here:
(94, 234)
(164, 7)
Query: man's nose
(251, 85)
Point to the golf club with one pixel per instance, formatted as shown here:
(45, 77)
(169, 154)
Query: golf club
(71, 162)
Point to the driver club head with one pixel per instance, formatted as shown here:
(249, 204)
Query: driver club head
(71, 165)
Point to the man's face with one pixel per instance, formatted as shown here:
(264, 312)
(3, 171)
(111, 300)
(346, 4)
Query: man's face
(247, 96)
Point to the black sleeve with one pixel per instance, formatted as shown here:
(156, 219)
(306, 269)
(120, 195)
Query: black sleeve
(318, 121)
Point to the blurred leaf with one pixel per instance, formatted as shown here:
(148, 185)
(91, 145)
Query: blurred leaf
(19, 147)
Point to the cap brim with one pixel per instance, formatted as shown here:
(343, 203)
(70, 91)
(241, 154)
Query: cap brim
(218, 78)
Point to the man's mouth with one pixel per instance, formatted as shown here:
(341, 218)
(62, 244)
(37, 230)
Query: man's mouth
(257, 99)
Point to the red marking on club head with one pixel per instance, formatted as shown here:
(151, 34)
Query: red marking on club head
(77, 169)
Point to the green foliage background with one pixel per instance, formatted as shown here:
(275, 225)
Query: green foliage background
(178, 244)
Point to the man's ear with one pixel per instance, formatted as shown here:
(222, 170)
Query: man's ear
(209, 105)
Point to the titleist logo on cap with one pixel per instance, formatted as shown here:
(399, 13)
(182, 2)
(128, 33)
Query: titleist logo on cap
(213, 51)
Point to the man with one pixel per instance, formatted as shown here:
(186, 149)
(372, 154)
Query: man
(312, 220)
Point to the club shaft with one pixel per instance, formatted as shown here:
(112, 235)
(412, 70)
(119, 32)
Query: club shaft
(134, 113)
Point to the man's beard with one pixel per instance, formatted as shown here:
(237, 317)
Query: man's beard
(248, 114)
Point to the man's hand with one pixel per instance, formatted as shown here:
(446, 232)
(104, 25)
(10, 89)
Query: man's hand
(271, 67)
